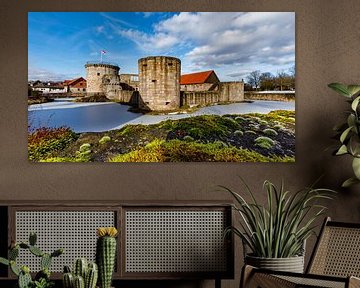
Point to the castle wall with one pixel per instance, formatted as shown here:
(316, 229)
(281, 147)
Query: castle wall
(272, 96)
(130, 79)
(196, 87)
(95, 73)
(159, 83)
(128, 97)
(228, 92)
(195, 98)
(110, 85)
(231, 91)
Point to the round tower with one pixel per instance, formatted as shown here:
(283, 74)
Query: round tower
(95, 73)
(159, 83)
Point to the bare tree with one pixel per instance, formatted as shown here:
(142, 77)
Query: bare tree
(266, 81)
(254, 79)
(281, 78)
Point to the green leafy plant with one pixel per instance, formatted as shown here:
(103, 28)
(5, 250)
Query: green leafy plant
(349, 131)
(42, 278)
(279, 229)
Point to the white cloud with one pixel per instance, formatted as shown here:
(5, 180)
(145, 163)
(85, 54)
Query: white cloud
(47, 75)
(116, 20)
(100, 29)
(148, 14)
(157, 42)
(219, 39)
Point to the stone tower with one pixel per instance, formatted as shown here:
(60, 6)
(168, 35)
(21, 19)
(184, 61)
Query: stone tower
(95, 72)
(159, 83)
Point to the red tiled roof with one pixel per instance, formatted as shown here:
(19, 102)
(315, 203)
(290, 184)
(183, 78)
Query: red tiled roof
(73, 81)
(195, 78)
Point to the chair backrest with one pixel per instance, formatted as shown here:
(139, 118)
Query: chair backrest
(337, 251)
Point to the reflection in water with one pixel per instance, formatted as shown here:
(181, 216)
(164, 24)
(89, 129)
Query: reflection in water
(98, 117)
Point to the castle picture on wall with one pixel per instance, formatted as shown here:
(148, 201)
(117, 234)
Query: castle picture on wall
(161, 87)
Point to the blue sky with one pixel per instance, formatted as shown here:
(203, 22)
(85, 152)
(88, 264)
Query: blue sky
(231, 43)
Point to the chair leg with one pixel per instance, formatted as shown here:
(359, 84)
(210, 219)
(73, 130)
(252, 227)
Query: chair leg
(246, 274)
(354, 282)
(251, 279)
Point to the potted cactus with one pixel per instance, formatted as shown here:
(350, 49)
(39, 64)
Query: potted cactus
(42, 278)
(106, 254)
(84, 275)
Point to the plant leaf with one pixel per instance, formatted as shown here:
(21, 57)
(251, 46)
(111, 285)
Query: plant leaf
(342, 150)
(353, 89)
(355, 103)
(340, 88)
(345, 134)
(349, 182)
(354, 145)
(356, 167)
(4, 261)
(351, 120)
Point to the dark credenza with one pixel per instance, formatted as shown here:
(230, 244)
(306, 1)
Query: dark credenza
(166, 240)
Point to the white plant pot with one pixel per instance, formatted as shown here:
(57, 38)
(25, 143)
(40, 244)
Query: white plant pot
(291, 264)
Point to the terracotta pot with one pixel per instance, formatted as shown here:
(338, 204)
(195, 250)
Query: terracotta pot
(291, 264)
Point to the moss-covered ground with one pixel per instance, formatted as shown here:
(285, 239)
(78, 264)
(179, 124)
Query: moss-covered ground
(208, 138)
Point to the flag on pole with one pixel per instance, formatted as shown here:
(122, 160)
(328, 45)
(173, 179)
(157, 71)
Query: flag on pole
(102, 52)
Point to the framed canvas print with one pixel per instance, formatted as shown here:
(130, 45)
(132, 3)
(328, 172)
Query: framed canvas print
(161, 87)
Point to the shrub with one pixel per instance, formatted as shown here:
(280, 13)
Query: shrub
(250, 132)
(204, 126)
(188, 138)
(270, 132)
(84, 153)
(264, 142)
(240, 119)
(104, 139)
(263, 122)
(84, 147)
(220, 144)
(238, 133)
(254, 126)
(278, 127)
(43, 142)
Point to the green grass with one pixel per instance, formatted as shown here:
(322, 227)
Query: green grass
(201, 127)
(205, 138)
(181, 151)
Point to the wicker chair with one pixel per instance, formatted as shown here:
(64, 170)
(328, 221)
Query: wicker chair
(334, 263)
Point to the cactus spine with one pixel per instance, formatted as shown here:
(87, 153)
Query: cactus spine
(106, 254)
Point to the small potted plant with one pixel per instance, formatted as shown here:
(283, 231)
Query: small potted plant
(276, 233)
(349, 131)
